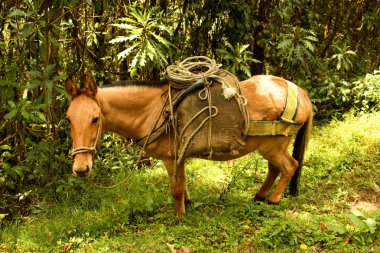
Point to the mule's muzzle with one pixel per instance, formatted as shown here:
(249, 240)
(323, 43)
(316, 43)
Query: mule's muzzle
(82, 173)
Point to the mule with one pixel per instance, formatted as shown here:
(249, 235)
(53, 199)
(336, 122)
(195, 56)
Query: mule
(132, 111)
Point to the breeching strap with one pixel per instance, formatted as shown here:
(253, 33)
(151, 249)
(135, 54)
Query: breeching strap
(285, 125)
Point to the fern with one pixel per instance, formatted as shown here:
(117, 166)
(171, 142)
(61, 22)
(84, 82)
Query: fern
(237, 58)
(342, 58)
(297, 46)
(146, 45)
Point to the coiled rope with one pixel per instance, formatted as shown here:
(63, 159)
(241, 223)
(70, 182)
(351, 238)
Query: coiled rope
(191, 69)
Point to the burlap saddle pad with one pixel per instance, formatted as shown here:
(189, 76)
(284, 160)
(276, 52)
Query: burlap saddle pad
(208, 123)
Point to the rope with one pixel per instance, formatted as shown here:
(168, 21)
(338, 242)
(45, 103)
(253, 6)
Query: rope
(91, 150)
(190, 70)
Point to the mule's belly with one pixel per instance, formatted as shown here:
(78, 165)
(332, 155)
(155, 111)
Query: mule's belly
(252, 143)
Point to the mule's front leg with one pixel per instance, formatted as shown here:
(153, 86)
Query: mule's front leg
(178, 185)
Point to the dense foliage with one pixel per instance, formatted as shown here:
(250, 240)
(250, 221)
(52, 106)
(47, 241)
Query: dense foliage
(331, 48)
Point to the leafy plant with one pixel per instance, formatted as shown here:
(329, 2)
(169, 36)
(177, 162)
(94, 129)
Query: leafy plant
(237, 58)
(361, 94)
(146, 45)
(25, 110)
(362, 226)
(366, 92)
(297, 46)
(342, 58)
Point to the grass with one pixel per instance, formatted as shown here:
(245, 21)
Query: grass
(337, 210)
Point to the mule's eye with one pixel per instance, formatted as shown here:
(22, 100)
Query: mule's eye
(95, 120)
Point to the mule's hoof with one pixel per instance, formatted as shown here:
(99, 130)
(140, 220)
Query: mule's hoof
(258, 199)
(273, 202)
(179, 214)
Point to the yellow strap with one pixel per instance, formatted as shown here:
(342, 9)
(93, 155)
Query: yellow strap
(291, 105)
(275, 127)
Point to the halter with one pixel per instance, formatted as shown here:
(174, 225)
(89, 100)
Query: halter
(91, 150)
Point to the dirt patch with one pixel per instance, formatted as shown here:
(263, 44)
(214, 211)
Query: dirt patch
(367, 199)
(365, 205)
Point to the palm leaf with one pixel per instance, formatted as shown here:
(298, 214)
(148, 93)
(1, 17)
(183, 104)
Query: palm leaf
(139, 17)
(350, 52)
(230, 46)
(126, 52)
(243, 48)
(246, 70)
(151, 51)
(163, 41)
(308, 45)
(121, 39)
(125, 26)
(311, 38)
(284, 44)
(160, 55)
(128, 20)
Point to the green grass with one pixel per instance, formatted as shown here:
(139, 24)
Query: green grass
(341, 173)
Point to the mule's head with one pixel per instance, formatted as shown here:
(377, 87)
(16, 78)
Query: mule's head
(85, 117)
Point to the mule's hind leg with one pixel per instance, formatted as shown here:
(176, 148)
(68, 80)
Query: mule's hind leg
(275, 150)
(287, 165)
(268, 183)
(178, 185)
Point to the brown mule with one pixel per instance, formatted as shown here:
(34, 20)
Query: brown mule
(132, 111)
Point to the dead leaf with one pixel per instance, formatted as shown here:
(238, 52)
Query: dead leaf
(292, 214)
(376, 187)
(181, 250)
(171, 248)
(323, 226)
(67, 246)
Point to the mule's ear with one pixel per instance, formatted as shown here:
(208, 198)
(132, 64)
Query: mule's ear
(89, 86)
(72, 88)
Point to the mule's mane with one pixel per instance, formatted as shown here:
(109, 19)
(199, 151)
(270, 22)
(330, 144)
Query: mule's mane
(126, 83)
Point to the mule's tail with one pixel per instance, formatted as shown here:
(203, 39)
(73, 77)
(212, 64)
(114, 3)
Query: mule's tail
(300, 144)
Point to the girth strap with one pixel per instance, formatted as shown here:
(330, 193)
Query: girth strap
(272, 127)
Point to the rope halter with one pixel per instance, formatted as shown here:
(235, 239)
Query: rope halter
(91, 150)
